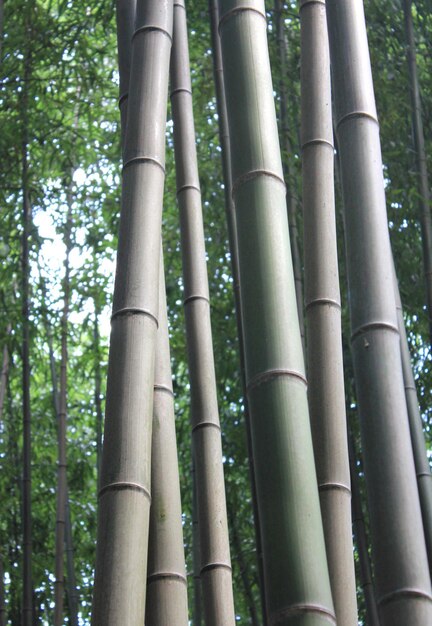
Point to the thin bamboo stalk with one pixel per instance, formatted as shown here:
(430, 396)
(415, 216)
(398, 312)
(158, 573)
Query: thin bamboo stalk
(359, 528)
(323, 310)
(287, 169)
(97, 386)
(124, 496)
(421, 157)
(3, 614)
(232, 238)
(422, 468)
(59, 584)
(401, 568)
(166, 581)
(216, 576)
(295, 568)
(4, 372)
(196, 556)
(125, 15)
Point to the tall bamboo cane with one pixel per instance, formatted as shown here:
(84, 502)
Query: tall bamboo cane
(295, 568)
(401, 568)
(216, 577)
(419, 146)
(124, 497)
(323, 310)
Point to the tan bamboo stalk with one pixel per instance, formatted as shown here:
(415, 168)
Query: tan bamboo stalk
(423, 473)
(216, 576)
(166, 581)
(323, 310)
(421, 158)
(288, 174)
(295, 568)
(359, 529)
(124, 496)
(401, 569)
(232, 237)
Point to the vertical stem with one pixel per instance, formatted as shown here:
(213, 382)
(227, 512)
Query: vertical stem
(3, 615)
(419, 147)
(197, 610)
(98, 386)
(401, 569)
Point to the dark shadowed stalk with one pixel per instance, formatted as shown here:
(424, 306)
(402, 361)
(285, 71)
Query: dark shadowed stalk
(4, 372)
(323, 310)
(232, 237)
(98, 385)
(216, 577)
(166, 580)
(295, 567)
(287, 149)
(423, 473)
(401, 569)
(2, 594)
(421, 158)
(359, 528)
(124, 496)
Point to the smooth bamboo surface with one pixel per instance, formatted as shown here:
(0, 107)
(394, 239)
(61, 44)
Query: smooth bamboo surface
(216, 576)
(124, 496)
(401, 568)
(295, 568)
(166, 577)
(125, 17)
(326, 391)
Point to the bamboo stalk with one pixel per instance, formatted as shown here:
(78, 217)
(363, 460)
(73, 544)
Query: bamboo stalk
(125, 16)
(232, 237)
(401, 568)
(124, 496)
(323, 310)
(166, 581)
(421, 157)
(196, 557)
(215, 573)
(3, 615)
(295, 568)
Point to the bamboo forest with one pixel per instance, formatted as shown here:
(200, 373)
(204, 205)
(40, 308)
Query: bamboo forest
(215, 313)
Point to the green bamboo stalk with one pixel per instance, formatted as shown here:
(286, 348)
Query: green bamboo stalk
(421, 157)
(422, 468)
(295, 568)
(323, 310)
(288, 175)
(232, 238)
(401, 569)
(124, 496)
(215, 573)
(166, 581)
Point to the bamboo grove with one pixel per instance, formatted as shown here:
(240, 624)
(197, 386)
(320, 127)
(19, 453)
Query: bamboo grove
(216, 253)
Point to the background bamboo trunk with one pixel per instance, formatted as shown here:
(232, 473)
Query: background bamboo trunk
(124, 496)
(422, 468)
(323, 310)
(166, 581)
(61, 431)
(125, 15)
(232, 237)
(359, 528)
(421, 158)
(3, 615)
(216, 578)
(97, 386)
(401, 568)
(295, 568)
(197, 604)
(288, 175)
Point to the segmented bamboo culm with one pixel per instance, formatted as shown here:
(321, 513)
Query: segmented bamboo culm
(323, 310)
(124, 496)
(216, 578)
(295, 567)
(401, 569)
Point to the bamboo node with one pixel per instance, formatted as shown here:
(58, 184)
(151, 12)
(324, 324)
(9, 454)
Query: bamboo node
(124, 96)
(180, 90)
(195, 297)
(215, 565)
(318, 301)
(143, 159)
(134, 310)
(404, 591)
(163, 388)
(373, 326)
(300, 609)
(186, 187)
(150, 28)
(303, 3)
(268, 375)
(318, 141)
(152, 578)
(206, 424)
(245, 178)
(236, 11)
(335, 487)
(123, 485)
(356, 115)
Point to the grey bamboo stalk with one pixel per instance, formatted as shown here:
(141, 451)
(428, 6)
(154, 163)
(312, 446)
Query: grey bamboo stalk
(232, 236)
(295, 567)
(98, 385)
(359, 528)
(166, 581)
(216, 576)
(59, 584)
(401, 568)
(423, 473)
(196, 556)
(288, 174)
(420, 150)
(125, 15)
(4, 372)
(323, 310)
(124, 496)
